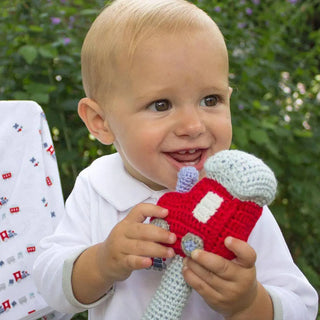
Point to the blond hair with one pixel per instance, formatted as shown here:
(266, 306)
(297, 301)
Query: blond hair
(120, 27)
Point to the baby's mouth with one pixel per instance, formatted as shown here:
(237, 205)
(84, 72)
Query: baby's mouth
(191, 157)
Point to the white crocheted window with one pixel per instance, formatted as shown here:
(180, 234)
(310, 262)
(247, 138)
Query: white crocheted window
(207, 207)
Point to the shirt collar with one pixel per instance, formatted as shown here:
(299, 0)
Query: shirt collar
(111, 181)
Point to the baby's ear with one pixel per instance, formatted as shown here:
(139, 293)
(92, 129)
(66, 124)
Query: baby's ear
(94, 118)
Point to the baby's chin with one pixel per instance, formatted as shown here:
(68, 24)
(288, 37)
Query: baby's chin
(202, 174)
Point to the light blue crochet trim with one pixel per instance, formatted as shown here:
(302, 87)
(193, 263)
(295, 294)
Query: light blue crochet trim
(171, 296)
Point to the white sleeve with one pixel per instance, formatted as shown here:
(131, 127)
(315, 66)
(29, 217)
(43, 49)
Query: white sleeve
(63, 245)
(293, 296)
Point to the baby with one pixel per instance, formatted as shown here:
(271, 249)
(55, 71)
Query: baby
(155, 73)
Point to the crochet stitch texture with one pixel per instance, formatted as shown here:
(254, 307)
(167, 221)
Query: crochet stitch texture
(228, 202)
(245, 176)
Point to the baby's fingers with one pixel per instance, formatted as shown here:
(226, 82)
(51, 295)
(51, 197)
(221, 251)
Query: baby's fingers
(144, 210)
(150, 232)
(147, 249)
(136, 230)
(203, 263)
(206, 264)
(245, 255)
(137, 262)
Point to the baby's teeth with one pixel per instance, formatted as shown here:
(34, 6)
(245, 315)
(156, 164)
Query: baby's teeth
(189, 151)
(191, 163)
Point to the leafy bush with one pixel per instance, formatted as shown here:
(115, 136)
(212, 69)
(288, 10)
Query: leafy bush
(274, 50)
(40, 47)
(274, 55)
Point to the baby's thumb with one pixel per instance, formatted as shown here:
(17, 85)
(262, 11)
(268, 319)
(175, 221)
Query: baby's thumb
(245, 255)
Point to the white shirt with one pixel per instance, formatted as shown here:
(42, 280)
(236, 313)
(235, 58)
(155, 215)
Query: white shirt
(104, 193)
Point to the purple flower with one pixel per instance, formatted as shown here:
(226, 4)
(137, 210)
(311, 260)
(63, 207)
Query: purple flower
(256, 2)
(240, 106)
(66, 40)
(242, 25)
(249, 11)
(217, 9)
(293, 1)
(71, 22)
(63, 1)
(55, 20)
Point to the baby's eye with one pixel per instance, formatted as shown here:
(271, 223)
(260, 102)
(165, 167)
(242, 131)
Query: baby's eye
(210, 101)
(160, 105)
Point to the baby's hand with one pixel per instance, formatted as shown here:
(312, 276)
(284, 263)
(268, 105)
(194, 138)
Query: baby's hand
(228, 287)
(131, 243)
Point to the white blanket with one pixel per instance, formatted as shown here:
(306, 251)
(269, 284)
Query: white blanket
(31, 204)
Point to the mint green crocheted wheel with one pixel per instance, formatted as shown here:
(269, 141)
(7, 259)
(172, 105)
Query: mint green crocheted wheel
(245, 176)
(191, 242)
(160, 223)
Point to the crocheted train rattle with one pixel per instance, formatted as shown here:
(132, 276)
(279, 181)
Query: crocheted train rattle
(227, 202)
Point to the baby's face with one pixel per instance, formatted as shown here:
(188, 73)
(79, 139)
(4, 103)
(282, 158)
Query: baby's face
(171, 108)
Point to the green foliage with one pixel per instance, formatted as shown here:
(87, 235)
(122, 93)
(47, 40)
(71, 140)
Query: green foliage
(274, 70)
(274, 50)
(40, 44)
(274, 55)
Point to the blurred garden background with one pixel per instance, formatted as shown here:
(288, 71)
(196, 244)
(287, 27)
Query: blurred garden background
(274, 48)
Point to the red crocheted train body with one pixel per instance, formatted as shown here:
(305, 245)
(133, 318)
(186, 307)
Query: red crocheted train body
(233, 217)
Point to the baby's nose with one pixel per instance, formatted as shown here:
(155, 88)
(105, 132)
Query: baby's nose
(189, 123)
